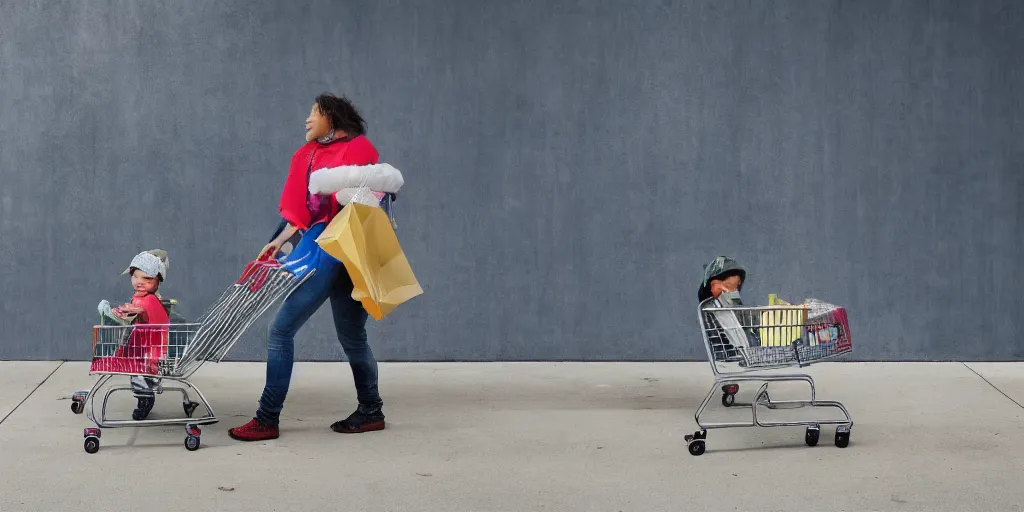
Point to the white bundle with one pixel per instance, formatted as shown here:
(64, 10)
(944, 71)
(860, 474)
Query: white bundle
(376, 177)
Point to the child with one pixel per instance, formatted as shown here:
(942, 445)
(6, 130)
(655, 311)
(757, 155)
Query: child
(720, 288)
(147, 344)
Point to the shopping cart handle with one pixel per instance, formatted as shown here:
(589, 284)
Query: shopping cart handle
(266, 256)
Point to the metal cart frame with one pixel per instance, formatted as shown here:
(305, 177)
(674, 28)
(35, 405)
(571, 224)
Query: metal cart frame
(735, 360)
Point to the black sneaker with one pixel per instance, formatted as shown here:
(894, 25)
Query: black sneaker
(367, 418)
(144, 406)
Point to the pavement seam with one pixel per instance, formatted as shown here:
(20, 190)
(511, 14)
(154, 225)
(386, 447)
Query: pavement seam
(32, 392)
(1008, 397)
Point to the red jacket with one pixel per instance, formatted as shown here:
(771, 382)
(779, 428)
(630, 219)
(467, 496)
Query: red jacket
(314, 156)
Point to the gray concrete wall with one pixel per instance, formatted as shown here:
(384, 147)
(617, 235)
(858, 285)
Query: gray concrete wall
(570, 165)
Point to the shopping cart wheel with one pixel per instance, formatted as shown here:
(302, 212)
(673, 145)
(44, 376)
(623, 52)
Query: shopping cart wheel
(192, 433)
(696, 447)
(92, 440)
(729, 394)
(189, 407)
(695, 442)
(78, 401)
(842, 438)
(811, 436)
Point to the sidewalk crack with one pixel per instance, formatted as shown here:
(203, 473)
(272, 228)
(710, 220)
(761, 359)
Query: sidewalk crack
(33, 392)
(1008, 397)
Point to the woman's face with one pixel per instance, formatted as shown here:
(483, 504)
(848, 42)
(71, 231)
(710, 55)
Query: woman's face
(317, 126)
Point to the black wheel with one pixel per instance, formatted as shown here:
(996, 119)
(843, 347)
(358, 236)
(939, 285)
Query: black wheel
(189, 407)
(92, 445)
(811, 436)
(139, 415)
(696, 448)
(192, 443)
(77, 407)
(728, 399)
(842, 439)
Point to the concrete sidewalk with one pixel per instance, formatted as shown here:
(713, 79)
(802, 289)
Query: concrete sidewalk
(526, 436)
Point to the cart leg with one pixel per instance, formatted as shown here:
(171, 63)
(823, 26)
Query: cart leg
(187, 404)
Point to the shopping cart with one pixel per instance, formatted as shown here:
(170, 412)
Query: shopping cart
(152, 354)
(744, 344)
(149, 353)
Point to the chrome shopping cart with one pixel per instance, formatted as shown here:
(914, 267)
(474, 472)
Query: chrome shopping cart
(744, 343)
(151, 355)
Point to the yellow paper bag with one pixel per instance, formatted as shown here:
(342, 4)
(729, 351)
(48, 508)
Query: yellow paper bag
(781, 327)
(361, 237)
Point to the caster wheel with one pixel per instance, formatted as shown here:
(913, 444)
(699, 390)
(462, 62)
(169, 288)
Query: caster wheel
(842, 439)
(92, 444)
(189, 407)
(811, 436)
(192, 443)
(139, 415)
(77, 407)
(696, 448)
(728, 400)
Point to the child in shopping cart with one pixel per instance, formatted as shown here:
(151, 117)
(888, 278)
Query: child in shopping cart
(147, 343)
(720, 288)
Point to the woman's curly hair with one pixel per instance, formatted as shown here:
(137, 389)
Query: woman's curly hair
(342, 115)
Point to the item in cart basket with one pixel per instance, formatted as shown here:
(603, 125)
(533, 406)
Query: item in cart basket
(827, 323)
(782, 326)
(108, 317)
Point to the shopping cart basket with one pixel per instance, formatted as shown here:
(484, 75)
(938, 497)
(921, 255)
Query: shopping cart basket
(744, 343)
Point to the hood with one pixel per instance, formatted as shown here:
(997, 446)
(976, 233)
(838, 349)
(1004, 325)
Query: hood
(719, 268)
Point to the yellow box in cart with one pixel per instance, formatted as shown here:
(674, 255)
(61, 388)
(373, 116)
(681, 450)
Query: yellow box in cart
(780, 328)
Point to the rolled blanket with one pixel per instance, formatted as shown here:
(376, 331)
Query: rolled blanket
(376, 177)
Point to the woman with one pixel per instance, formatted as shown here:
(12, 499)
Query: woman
(335, 136)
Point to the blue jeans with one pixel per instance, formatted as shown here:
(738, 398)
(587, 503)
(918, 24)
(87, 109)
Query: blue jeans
(331, 280)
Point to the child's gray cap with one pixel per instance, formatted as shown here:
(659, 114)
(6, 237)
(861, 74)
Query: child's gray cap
(152, 262)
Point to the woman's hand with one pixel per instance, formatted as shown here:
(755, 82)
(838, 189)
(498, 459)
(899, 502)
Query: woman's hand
(275, 244)
(273, 248)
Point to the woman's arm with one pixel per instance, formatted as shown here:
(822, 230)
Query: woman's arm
(275, 244)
